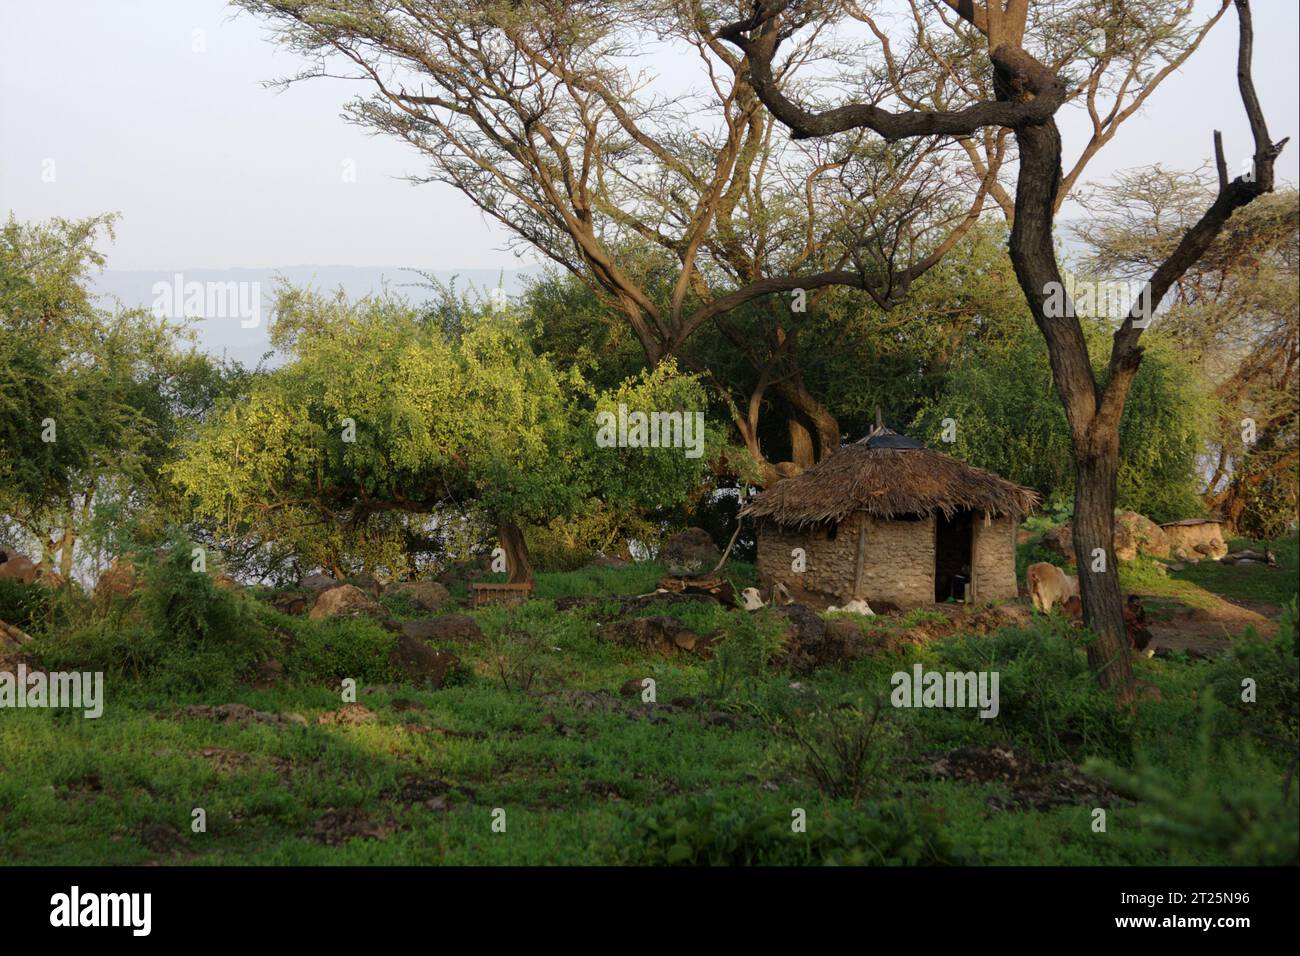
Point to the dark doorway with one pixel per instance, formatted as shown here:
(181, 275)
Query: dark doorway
(952, 555)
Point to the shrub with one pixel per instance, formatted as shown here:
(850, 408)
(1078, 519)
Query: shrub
(841, 747)
(1274, 714)
(23, 605)
(331, 650)
(1049, 699)
(1251, 820)
(742, 656)
(179, 628)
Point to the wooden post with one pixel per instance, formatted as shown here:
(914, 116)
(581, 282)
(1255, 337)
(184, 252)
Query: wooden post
(859, 566)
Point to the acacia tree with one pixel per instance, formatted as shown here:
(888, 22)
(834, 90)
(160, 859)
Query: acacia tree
(1236, 312)
(381, 413)
(677, 209)
(1027, 92)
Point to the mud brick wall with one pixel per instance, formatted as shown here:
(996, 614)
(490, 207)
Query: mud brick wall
(993, 559)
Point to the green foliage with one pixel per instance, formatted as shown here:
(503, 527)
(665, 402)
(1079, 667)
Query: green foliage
(710, 832)
(23, 605)
(382, 416)
(1049, 698)
(742, 656)
(1254, 819)
(1010, 421)
(1274, 669)
(338, 648)
(178, 628)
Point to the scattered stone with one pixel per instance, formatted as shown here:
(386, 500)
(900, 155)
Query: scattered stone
(425, 595)
(631, 687)
(661, 634)
(292, 602)
(12, 638)
(417, 661)
(445, 629)
(346, 600)
(317, 582)
(366, 582)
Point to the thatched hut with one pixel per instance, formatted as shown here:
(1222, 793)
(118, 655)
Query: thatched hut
(890, 521)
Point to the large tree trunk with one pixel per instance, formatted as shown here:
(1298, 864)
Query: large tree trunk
(825, 426)
(1094, 553)
(519, 566)
(802, 450)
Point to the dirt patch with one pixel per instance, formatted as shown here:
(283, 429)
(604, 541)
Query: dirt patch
(228, 762)
(86, 787)
(1198, 631)
(238, 714)
(162, 838)
(349, 715)
(1025, 784)
(336, 827)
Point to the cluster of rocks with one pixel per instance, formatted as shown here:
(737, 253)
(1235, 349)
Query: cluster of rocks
(1193, 539)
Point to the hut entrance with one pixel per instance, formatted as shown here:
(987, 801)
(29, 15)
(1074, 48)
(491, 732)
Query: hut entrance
(952, 554)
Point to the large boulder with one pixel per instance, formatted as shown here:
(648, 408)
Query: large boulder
(478, 568)
(1060, 541)
(1196, 538)
(690, 552)
(317, 582)
(1137, 534)
(416, 661)
(425, 595)
(346, 600)
(367, 582)
(447, 628)
(660, 634)
(12, 638)
(19, 568)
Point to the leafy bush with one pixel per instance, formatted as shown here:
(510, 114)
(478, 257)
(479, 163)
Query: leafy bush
(708, 832)
(742, 656)
(178, 628)
(1250, 820)
(23, 605)
(1049, 699)
(1272, 665)
(331, 650)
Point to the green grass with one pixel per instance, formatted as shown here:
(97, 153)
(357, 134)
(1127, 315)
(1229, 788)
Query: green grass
(586, 776)
(1246, 582)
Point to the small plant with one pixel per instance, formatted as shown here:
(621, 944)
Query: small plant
(842, 747)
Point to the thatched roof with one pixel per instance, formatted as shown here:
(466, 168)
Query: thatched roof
(887, 476)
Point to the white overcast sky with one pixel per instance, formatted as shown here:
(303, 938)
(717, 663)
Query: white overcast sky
(211, 170)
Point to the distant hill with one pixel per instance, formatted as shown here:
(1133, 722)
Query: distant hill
(224, 331)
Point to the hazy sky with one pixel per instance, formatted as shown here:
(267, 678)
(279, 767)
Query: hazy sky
(211, 170)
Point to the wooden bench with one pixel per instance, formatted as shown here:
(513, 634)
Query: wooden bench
(507, 594)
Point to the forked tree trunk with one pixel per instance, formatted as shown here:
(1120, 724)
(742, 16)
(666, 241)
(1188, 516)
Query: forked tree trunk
(519, 566)
(802, 451)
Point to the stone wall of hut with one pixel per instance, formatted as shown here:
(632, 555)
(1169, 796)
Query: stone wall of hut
(993, 559)
(898, 560)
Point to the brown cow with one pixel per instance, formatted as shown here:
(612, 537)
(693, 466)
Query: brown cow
(1048, 585)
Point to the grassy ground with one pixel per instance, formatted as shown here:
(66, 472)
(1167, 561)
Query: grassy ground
(709, 773)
